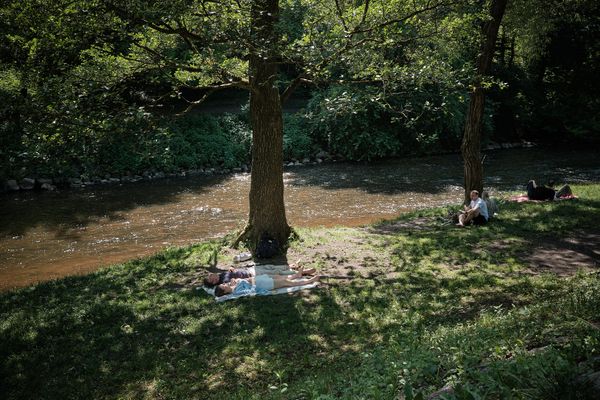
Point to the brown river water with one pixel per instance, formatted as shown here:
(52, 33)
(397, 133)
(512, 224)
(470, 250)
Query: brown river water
(46, 235)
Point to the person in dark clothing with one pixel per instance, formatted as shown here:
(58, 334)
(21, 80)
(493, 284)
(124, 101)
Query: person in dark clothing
(535, 192)
(225, 277)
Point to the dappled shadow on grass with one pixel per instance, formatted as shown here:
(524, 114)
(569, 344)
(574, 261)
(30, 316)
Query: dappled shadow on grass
(117, 334)
(124, 332)
(84, 344)
(563, 235)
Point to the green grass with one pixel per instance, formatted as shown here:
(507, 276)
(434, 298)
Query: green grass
(451, 306)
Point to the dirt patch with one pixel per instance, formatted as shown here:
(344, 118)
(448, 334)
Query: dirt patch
(417, 224)
(343, 256)
(565, 256)
(347, 253)
(501, 245)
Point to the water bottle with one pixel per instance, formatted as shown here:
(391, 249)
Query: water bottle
(242, 257)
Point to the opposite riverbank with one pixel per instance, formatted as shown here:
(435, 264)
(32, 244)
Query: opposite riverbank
(509, 309)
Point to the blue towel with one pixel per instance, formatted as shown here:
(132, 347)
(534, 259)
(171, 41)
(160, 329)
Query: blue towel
(243, 288)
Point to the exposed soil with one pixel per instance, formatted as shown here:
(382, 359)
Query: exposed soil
(565, 256)
(340, 257)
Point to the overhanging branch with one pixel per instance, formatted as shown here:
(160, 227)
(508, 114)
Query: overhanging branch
(210, 91)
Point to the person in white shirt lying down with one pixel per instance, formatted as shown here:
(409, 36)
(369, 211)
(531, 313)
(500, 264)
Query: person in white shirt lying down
(214, 279)
(262, 283)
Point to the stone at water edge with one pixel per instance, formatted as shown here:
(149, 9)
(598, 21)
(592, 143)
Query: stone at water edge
(48, 186)
(41, 181)
(27, 183)
(12, 185)
(322, 154)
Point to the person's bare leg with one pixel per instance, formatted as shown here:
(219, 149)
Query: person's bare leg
(309, 271)
(298, 267)
(468, 216)
(299, 270)
(280, 283)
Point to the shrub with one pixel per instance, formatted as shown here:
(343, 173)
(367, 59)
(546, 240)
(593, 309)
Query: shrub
(297, 143)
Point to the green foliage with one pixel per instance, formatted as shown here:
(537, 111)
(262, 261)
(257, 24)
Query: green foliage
(12, 115)
(297, 143)
(363, 124)
(99, 79)
(552, 94)
(352, 124)
(203, 140)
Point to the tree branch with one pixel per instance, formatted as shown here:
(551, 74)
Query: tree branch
(404, 17)
(211, 90)
(340, 15)
(291, 87)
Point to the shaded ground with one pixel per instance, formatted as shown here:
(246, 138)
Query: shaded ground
(342, 254)
(429, 306)
(565, 256)
(339, 255)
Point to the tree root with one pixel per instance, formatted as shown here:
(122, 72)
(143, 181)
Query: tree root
(293, 235)
(242, 236)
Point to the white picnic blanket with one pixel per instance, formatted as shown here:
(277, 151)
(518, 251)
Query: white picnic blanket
(260, 269)
(232, 296)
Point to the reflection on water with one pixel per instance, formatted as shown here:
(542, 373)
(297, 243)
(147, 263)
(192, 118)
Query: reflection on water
(48, 235)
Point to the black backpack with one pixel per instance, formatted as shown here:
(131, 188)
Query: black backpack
(267, 247)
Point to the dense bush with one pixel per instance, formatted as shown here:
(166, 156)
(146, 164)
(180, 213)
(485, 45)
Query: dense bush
(360, 124)
(206, 140)
(297, 143)
(127, 143)
(350, 124)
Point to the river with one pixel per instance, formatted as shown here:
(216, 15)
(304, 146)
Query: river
(47, 235)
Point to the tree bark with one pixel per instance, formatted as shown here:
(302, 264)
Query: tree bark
(471, 144)
(267, 209)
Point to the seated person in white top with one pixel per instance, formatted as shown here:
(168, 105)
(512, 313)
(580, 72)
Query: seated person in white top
(476, 212)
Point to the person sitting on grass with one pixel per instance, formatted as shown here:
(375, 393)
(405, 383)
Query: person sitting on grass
(213, 279)
(262, 284)
(476, 212)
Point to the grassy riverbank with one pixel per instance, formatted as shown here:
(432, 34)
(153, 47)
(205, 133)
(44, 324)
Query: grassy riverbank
(506, 310)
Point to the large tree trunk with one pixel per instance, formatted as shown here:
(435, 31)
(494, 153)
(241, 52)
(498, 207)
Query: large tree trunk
(267, 209)
(471, 144)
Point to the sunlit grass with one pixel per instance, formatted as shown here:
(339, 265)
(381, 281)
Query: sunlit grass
(448, 307)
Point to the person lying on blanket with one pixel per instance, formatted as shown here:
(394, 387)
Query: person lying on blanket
(541, 192)
(261, 283)
(213, 279)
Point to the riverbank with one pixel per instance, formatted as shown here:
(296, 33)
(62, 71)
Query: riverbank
(54, 234)
(33, 182)
(509, 309)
